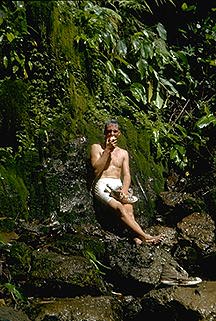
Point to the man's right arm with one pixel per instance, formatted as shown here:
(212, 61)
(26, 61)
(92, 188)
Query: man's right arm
(99, 159)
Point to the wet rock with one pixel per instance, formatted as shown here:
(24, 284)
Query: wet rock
(84, 308)
(173, 206)
(10, 314)
(197, 249)
(172, 198)
(136, 270)
(75, 197)
(58, 275)
(53, 264)
(181, 303)
(199, 228)
(131, 307)
(63, 185)
(170, 235)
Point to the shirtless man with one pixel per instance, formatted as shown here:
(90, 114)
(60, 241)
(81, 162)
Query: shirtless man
(111, 166)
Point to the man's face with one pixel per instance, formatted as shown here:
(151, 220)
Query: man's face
(112, 130)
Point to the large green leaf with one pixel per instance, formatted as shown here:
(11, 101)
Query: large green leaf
(162, 31)
(142, 66)
(206, 121)
(124, 76)
(139, 92)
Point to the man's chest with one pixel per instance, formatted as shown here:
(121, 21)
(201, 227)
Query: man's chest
(116, 159)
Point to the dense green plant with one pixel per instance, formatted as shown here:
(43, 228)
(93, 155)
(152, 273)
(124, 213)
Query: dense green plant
(180, 98)
(13, 291)
(14, 39)
(67, 66)
(97, 264)
(137, 63)
(195, 47)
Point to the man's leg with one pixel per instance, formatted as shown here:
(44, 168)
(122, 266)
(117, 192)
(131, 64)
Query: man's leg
(125, 212)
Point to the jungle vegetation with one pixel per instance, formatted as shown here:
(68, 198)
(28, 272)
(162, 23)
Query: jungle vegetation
(66, 66)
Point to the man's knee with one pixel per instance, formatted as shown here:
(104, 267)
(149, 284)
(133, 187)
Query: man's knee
(120, 208)
(116, 205)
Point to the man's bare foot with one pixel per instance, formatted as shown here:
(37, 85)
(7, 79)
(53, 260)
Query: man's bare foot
(153, 239)
(149, 239)
(137, 241)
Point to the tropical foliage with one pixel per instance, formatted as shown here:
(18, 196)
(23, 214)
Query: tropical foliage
(68, 64)
(165, 82)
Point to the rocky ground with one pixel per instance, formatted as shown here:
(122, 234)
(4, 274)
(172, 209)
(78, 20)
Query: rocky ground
(77, 265)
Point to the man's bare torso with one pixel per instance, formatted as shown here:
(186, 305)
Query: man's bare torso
(114, 164)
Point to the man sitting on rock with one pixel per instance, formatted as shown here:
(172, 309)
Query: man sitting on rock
(111, 163)
(111, 187)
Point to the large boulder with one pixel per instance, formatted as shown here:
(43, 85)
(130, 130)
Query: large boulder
(180, 303)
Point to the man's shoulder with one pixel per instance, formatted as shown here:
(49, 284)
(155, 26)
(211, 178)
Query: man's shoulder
(96, 146)
(123, 151)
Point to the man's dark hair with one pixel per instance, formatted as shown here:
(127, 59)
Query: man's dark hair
(110, 122)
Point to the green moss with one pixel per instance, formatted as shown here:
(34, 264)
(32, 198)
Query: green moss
(13, 194)
(138, 143)
(79, 244)
(7, 224)
(20, 258)
(73, 270)
(43, 264)
(63, 35)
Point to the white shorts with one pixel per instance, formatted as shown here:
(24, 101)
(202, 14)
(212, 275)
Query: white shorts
(100, 187)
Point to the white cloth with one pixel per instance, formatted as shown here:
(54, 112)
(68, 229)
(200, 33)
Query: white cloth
(100, 188)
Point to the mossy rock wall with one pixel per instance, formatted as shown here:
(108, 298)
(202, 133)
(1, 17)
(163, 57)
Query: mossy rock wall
(66, 108)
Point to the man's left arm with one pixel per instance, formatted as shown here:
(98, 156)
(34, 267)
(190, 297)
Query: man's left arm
(126, 179)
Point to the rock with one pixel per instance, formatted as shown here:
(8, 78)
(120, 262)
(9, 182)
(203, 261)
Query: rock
(54, 274)
(197, 246)
(181, 303)
(136, 270)
(173, 206)
(199, 228)
(80, 308)
(10, 314)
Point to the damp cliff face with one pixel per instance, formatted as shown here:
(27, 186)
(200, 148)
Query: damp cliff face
(57, 104)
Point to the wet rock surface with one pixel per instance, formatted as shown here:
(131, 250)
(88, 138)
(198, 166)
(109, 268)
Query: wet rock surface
(104, 308)
(199, 229)
(181, 303)
(10, 314)
(53, 272)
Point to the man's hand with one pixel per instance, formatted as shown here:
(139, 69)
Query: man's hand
(111, 143)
